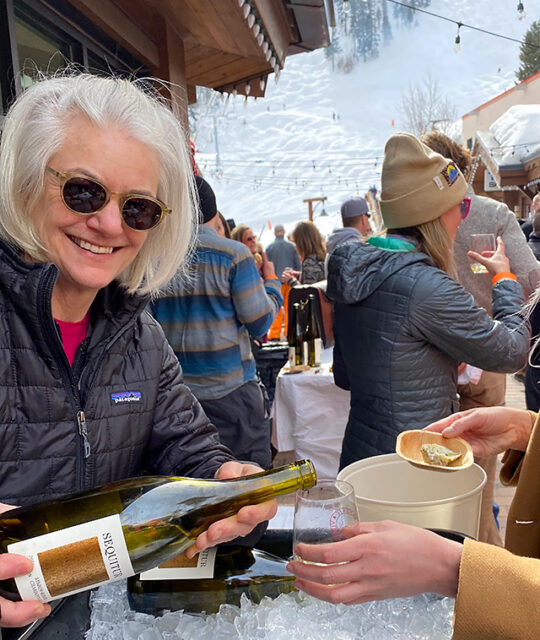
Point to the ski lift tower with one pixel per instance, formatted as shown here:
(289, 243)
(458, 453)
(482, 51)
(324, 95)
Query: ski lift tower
(310, 202)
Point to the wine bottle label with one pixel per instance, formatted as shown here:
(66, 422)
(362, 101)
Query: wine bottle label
(182, 568)
(317, 345)
(292, 357)
(73, 559)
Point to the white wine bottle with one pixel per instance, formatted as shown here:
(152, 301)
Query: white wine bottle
(127, 527)
(232, 571)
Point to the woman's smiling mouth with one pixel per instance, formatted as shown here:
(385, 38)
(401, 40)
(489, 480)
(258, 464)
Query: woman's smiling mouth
(87, 246)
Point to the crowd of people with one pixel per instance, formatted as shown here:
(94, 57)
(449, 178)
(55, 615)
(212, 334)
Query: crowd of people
(120, 274)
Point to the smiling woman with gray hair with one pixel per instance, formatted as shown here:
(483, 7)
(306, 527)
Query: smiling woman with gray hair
(96, 213)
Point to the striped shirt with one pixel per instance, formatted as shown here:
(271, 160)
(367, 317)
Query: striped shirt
(209, 317)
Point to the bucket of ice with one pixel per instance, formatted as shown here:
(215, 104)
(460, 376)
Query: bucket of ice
(389, 488)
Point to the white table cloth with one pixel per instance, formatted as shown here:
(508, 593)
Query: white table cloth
(310, 415)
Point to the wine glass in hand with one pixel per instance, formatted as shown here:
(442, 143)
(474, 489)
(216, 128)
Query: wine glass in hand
(321, 513)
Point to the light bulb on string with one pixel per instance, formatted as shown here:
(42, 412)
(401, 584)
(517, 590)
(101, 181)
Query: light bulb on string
(346, 6)
(264, 47)
(457, 41)
(256, 29)
(262, 83)
(272, 61)
(251, 20)
(276, 75)
(521, 10)
(247, 10)
(268, 54)
(248, 88)
(241, 3)
(235, 91)
(260, 39)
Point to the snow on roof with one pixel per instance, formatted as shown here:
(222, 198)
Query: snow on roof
(516, 134)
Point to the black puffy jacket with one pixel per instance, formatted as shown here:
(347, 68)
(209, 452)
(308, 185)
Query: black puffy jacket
(401, 327)
(122, 410)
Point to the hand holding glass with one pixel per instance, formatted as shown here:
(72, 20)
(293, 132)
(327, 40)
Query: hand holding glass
(321, 513)
(482, 243)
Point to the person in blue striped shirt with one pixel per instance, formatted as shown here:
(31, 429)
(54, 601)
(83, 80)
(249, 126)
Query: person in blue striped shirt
(208, 316)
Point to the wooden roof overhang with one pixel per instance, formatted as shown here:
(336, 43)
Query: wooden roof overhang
(523, 174)
(228, 45)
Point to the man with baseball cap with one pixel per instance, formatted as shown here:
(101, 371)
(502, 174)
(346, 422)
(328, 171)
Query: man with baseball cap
(355, 217)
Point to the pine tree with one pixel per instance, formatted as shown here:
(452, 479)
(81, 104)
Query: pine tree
(530, 55)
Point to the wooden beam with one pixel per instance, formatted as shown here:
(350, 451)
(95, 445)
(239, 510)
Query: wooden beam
(172, 68)
(310, 202)
(116, 23)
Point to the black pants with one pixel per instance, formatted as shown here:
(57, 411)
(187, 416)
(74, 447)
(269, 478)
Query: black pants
(243, 423)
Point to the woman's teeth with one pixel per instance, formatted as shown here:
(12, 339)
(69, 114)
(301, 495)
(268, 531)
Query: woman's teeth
(91, 247)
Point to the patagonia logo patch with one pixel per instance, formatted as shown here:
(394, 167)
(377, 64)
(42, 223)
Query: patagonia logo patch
(122, 397)
(450, 173)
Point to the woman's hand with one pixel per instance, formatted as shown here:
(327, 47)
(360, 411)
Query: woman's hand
(243, 522)
(267, 268)
(378, 560)
(489, 430)
(289, 274)
(18, 614)
(494, 261)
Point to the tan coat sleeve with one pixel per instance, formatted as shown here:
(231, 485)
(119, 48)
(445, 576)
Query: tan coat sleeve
(498, 595)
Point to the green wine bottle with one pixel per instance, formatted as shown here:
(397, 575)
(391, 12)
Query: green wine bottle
(312, 334)
(233, 571)
(127, 527)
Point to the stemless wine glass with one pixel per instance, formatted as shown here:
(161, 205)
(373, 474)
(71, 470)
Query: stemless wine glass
(320, 513)
(481, 242)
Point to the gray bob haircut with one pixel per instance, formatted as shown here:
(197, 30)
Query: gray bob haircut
(34, 130)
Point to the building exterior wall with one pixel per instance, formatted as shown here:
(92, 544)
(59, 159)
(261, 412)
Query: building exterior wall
(481, 118)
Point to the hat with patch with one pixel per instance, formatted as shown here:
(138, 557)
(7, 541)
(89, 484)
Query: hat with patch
(207, 200)
(354, 208)
(418, 184)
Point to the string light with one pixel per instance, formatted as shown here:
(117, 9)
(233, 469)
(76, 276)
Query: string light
(346, 6)
(241, 3)
(260, 39)
(247, 10)
(521, 10)
(457, 45)
(262, 83)
(256, 29)
(251, 20)
(463, 24)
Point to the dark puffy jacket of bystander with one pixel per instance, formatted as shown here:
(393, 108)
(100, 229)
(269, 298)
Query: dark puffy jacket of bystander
(121, 410)
(401, 328)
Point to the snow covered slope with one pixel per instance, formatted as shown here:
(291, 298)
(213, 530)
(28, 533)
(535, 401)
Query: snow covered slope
(322, 133)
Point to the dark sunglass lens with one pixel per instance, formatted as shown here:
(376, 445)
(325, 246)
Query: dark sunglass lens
(84, 196)
(141, 214)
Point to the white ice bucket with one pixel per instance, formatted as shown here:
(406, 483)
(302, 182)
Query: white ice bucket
(389, 488)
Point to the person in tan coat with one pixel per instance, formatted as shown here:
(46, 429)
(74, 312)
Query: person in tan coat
(497, 590)
(486, 216)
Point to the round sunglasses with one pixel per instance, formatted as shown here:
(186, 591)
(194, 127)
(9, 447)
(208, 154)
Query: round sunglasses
(87, 196)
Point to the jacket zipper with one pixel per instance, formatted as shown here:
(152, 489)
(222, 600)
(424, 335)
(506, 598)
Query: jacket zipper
(51, 330)
(81, 421)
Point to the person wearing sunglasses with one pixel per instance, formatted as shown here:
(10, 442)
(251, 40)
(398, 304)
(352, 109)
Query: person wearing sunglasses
(486, 216)
(402, 324)
(97, 213)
